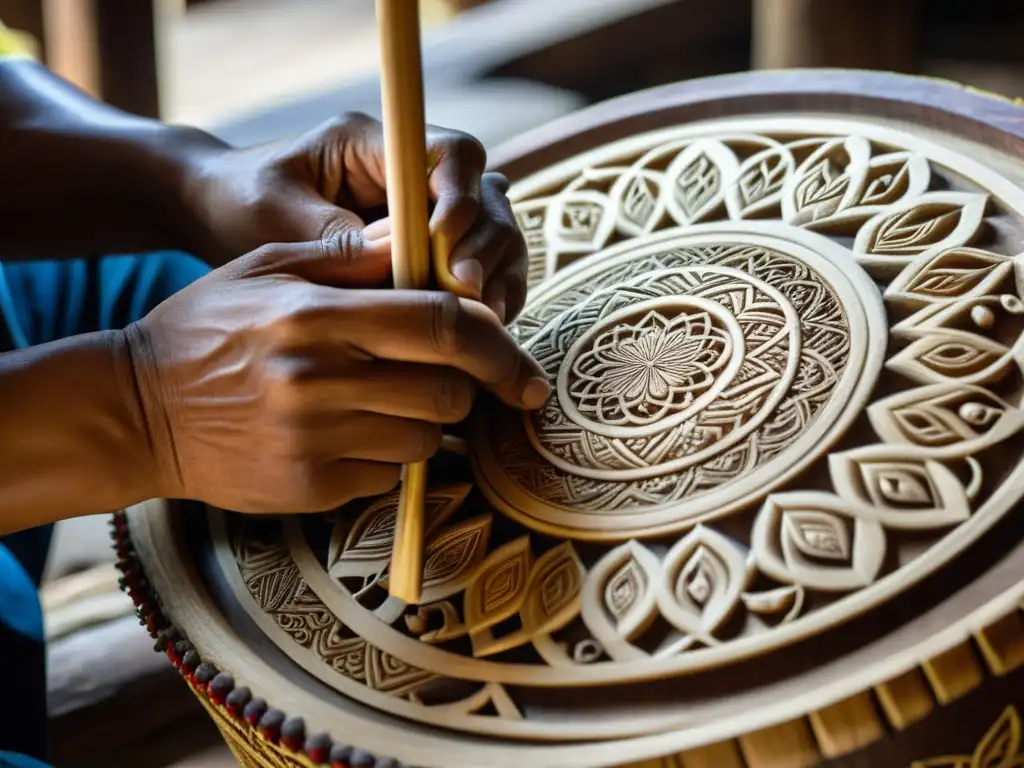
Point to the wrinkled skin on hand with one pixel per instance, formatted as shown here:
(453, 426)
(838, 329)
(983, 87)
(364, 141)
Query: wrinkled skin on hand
(329, 184)
(283, 382)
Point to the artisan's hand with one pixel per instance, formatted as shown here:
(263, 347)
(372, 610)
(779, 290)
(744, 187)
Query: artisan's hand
(265, 390)
(329, 183)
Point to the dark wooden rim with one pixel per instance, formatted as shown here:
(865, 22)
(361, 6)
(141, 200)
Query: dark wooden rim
(938, 104)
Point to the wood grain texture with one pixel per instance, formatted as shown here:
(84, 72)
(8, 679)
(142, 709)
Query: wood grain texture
(280, 586)
(906, 699)
(406, 162)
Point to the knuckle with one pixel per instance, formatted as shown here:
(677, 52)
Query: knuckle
(340, 242)
(284, 384)
(505, 230)
(466, 148)
(426, 443)
(446, 315)
(453, 399)
(346, 121)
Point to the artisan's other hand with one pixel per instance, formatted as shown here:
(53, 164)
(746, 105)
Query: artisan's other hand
(328, 184)
(280, 383)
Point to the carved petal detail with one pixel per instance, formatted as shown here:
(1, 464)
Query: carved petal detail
(704, 575)
(760, 182)
(499, 586)
(1001, 746)
(945, 420)
(955, 273)
(931, 222)
(579, 221)
(620, 598)
(639, 204)
(964, 357)
(553, 594)
(365, 549)
(893, 484)
(827, 182)
(451, 558)
(697, 179)
(814, 539)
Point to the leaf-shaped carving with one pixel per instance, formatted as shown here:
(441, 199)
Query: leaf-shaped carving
(893, 177)
(1001, 746)
(894, 485)
(945, 420)
(705, 573)
(993, 317)
(530, 217)
(637, 196)
(579, 221)
(964, 357)
(827, 182)
(364, 550)
(620, 598)
(817, 534)
(553, 594)
(955, 273)
(499, 585)
(805, 537)
(760, 183)
(451, 557)
(929, 222)
(696, 180)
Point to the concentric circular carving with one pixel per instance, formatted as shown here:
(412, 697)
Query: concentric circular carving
(787, 386)
(701, 368)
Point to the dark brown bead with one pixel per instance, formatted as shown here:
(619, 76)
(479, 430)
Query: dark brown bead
(270, 724)
(237, 699)
(190, 660)
(220, 686)
(318, 748)
(254, 710)
(205, 672)
(341, 756)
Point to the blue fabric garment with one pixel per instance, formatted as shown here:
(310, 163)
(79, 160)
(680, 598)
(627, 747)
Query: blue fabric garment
(11, 760)
(44, 301)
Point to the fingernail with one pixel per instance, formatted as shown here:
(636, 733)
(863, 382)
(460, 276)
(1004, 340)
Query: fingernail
(378, 230)
(536, 393)
(471, 273)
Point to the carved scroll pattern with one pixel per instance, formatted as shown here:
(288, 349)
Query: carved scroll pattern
(882, 197)
(1002, 746)
(916, 467)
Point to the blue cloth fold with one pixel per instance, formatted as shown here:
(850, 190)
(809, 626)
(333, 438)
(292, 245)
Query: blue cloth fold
(42, 301)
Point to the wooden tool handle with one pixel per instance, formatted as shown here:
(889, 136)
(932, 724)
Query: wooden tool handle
(405, 153)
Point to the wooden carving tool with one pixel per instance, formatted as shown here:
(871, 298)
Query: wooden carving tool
(405, 154)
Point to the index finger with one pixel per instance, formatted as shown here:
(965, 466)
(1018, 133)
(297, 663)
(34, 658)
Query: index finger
(438, 328)
(457, 163)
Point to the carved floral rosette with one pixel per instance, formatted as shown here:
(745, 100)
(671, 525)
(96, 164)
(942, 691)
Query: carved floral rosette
(786, 367)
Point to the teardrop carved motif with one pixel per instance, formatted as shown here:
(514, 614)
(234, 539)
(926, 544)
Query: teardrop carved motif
(845, 293)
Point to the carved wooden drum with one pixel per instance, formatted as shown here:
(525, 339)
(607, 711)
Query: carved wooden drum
(770, 515)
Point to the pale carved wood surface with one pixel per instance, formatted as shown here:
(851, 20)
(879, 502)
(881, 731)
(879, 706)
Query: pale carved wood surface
(785, 354)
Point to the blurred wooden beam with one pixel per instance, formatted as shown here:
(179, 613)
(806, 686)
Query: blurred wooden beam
(71, 42)
(857, 34)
